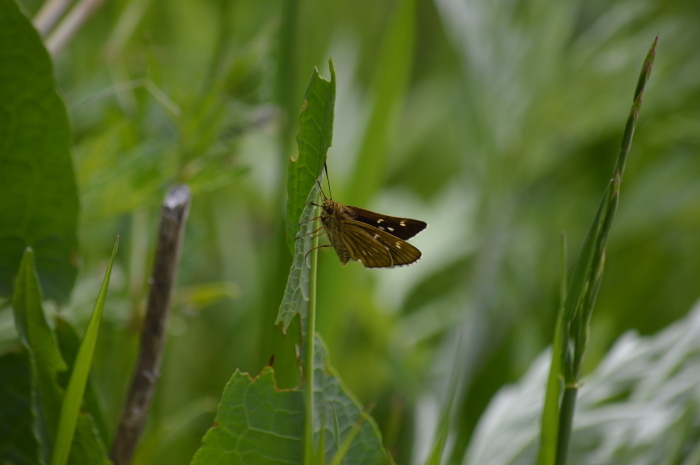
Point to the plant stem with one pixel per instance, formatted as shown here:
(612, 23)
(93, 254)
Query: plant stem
(568, 405)
(309, 365)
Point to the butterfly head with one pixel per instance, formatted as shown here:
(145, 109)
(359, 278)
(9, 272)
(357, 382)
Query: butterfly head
(329, 207)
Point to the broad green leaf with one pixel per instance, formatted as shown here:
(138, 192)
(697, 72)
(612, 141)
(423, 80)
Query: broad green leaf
(314, 138)
(334, 403)
(18, 445)
(46, 365)
(256, 424)
(70, 408)
(36, 171)
(259, 424)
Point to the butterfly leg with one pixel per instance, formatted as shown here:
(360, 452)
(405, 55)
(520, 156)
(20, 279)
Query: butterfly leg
(314, 231)
(315, 218)
(317, 247)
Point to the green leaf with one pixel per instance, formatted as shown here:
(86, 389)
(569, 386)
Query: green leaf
(70, 408)
(296, 293)
(36, 170)
(18, 445)
(257, 423)
(314, 138)
(337, 404)
(46, 365)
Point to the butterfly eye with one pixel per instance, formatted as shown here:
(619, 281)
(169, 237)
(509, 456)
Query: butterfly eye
(329, 210)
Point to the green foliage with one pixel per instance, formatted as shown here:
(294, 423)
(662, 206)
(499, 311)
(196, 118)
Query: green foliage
(259, 424)
(40, 206)
(495, 122)
(46, 364)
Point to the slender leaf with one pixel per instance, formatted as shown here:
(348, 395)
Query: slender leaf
(46, 365)
(573, 323)
(70, 408)
(388, 88)
(36, 169)
(314, 138)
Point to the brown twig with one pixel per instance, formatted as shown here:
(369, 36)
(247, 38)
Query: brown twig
(174, 215)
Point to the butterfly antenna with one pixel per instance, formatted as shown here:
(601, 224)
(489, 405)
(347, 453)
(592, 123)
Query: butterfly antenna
(322, 193)
(328, 179)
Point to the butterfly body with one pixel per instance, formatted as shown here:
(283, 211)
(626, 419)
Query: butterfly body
(378, 241)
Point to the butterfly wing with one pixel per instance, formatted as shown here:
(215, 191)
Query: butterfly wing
(376, 248)
(403, 228)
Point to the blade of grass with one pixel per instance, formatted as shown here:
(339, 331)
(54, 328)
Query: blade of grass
(70, 409)
(550, 413)
(388, 90)
(573, 323)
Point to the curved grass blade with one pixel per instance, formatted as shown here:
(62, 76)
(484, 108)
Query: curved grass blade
(70, 408)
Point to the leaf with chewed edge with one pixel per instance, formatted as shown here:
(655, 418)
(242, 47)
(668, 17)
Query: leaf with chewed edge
(256, 423)
(314, 138)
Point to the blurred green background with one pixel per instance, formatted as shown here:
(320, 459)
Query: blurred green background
(497, 122)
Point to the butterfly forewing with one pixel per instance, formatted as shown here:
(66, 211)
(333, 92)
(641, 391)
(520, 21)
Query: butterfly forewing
(403, 228)
(376, 248)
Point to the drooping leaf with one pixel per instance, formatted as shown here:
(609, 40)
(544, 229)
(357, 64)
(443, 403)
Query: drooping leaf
(259, 424)
(36, 170)
(314, 138)
(46, 365)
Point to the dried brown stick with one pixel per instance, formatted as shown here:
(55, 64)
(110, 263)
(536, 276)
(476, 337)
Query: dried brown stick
(173, 217)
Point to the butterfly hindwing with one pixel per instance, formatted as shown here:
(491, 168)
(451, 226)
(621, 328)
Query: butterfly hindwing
(403, 228)
(376, 248)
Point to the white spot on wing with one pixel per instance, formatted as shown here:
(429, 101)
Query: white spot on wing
(379, 220)
(402, 223)
(390, 228)
(376, 236)
(398, 246)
